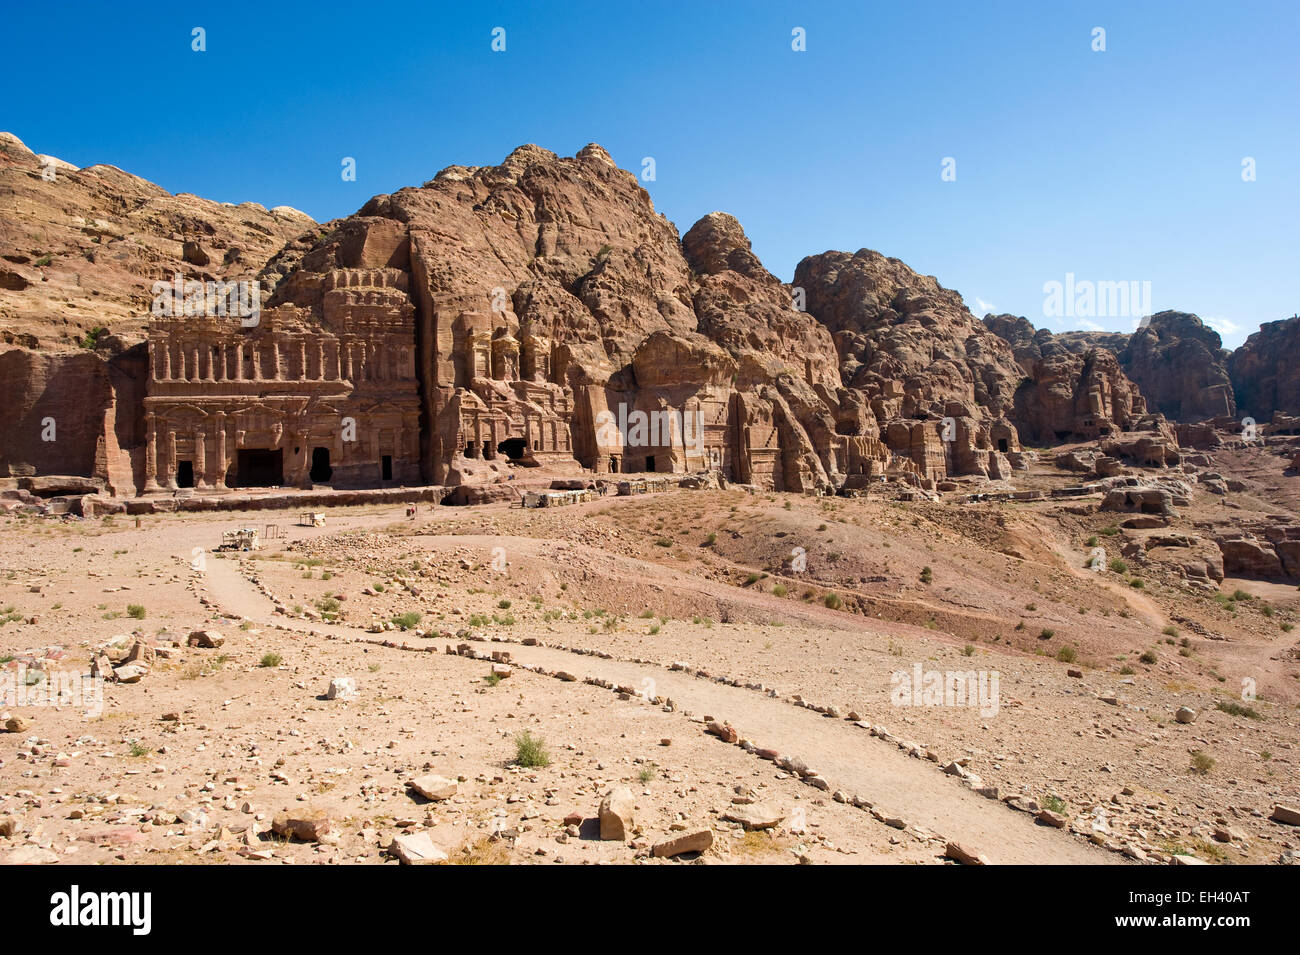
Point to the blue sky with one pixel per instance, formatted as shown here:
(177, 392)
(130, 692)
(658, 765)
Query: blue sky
(1122, 165)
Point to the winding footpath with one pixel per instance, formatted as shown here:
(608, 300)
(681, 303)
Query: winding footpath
(847, 757)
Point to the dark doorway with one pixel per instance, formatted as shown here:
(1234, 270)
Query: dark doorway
(184, 473)
(513, 448)
(1002, 445)
(320, 465)
(649, 462)
(261, 467)
(386, 468)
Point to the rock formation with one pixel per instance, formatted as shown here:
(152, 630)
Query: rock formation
(1068, 393)
(80, 253)
(1264, 371)
(1180, 365)
(535, 313)
(938, 384)
(1177, 363)
(80, 249)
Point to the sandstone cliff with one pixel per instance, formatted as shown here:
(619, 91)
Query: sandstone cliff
(549, 294)
(1070, 390)
(1181, 367)
(506, 315)
(1265, 371)
(80, 249)
(1179, 364)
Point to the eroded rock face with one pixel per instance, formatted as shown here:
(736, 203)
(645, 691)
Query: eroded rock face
(1068, 393)
(80, 251)
(1174, 362)
(940, 386)
(1181, 367)
(552, 306)
(530, 313)
(72, 413)
(905, 338)
(1264, 371)
(87, 245)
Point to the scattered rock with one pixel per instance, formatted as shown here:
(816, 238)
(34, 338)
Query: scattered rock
(341, 688)
(417, 849)
(959, 853)
(1286, 814)
(755, 816)
(1054, 819)
(207, 639)
(308, 826)
(436, 788)
(617, 814)
(697, 841)
(723, 731)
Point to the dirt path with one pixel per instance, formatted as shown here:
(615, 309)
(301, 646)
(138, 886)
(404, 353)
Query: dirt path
(847, 756)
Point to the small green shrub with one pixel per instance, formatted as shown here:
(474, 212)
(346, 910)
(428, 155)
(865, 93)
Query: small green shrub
(530, 751)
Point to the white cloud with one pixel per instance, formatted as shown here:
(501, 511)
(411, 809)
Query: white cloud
(1223, 326)
(1088, 325)
(984, 307)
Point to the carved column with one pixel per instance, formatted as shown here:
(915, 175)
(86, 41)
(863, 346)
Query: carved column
(223, 462)
(200, 458)
(170, 466)
(150, 454)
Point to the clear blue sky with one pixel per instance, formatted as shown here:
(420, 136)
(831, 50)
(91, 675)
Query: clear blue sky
(1123, 165)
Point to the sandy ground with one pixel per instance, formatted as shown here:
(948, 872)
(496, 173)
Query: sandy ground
(695, 604)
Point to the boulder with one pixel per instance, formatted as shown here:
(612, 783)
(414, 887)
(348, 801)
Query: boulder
(208, 639)
(1248, 557)
(130, 673)
(1285, 814)
(436, 788)
(306, 825)
(341, 688)
(724, 731)
(960, 854)
(756, 815)
(617, 814)
(697, 841)
(416, 849)
(1142, 500)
